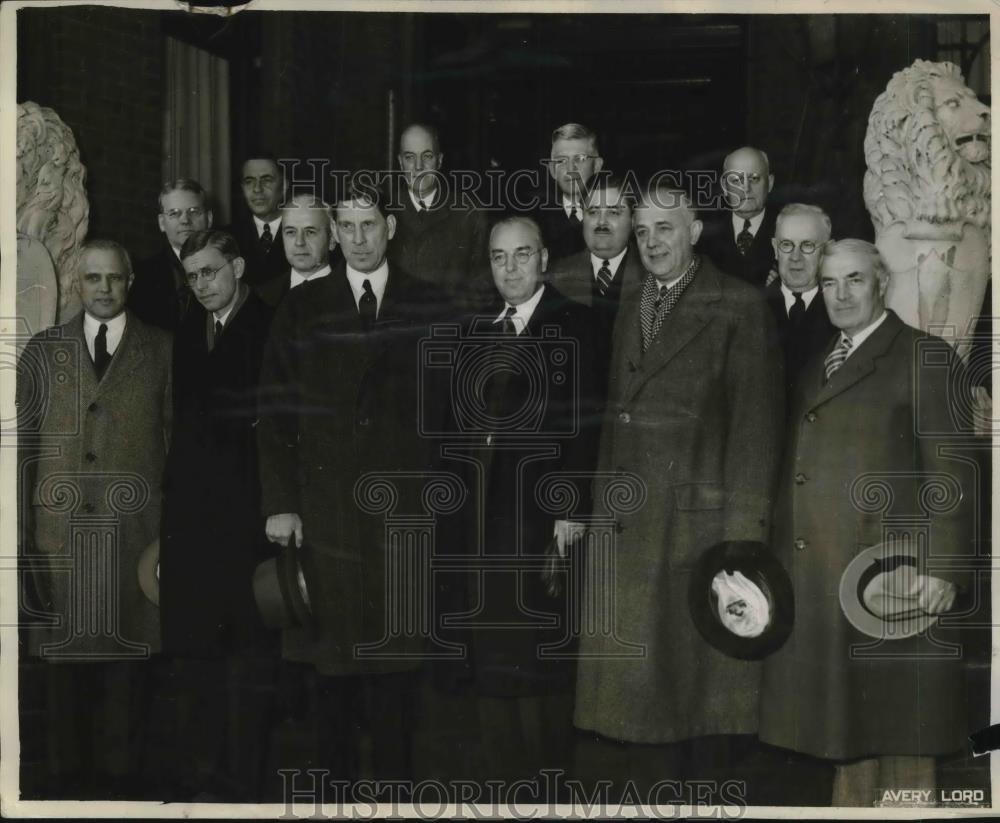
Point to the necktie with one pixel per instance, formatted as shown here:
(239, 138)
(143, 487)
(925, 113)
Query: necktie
(101, 356)
(266, 238)
(508, 321)
(798, 308)
(658, 301)
(744, 240)
(604, 278)
(367, 306)
(835, 359)
(218, 329)
(575, 214)
(423, 205)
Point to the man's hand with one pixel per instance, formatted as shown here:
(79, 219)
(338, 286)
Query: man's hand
(935, 596)
(566, 533)
(282, 526)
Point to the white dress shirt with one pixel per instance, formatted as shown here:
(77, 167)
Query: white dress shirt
(298, 278)
(570, 208)
(613, 262)
(522, 313)
(754, 224)
(789, 295)
(864, 334)
(274, 224)
(379, 278)
(116, 328)
(429, 199)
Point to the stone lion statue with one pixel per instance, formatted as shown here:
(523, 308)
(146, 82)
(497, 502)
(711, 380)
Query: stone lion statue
(927, 190)
(52, 216)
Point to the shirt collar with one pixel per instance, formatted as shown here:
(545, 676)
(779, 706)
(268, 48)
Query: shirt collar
(865, 333)
(241, 296)
(92, 325)
(754, 222)
(379, 278)
(569, 205)
(429, 199)
(789, 295)
(522, 313)
(613, 262)
(274, 224)
(298, 278)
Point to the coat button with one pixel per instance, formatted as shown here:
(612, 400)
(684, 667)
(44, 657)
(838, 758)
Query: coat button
(90, 457)
(625, 417)
(88, 507)
(811, 417)
(800, 544)
(92, 407)
(800, 479)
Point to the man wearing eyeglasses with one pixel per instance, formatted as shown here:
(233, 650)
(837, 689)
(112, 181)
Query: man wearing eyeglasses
(738, 237)
(532, 336)
(94, 411)
(438, 239)
(803, 324)
(573, 161)
(339, 389)
(213, 531)
(160, 295)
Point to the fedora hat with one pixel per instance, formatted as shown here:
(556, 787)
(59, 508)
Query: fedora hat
(280, 591)
(148, 572)
(740, 599)
(875, 592)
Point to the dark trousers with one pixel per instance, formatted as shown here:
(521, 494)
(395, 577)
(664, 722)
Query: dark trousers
(365, 725)
(220, 718)
(93, 727)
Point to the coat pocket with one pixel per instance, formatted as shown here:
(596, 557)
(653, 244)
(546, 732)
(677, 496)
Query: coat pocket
(698, 522)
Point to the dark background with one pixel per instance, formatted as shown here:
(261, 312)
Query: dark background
(663, 90)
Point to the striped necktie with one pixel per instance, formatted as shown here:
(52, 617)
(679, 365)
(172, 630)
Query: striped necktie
(835, 359)
(604, 278)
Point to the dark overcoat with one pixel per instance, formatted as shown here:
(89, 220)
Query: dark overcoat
(160, 295)
(801, 340)
(339, 403)
(854, 465)
(444, 245)
(93, 455)
(688, 458)
(213, 531)
(512, 472)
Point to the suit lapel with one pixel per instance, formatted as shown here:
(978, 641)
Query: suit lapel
(682, 325)
(128, 357)
(861, 363)
(88, 375)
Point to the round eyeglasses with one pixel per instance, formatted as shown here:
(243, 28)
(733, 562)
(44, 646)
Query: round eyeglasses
(521, 257)
(806, 246)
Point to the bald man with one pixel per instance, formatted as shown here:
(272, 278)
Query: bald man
(438, 239)
(738, 238)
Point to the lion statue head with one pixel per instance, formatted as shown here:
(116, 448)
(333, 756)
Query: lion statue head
(51, 198)
(928, 150)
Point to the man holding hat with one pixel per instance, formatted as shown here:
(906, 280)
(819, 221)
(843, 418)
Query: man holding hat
(865, 466)
(212, 539)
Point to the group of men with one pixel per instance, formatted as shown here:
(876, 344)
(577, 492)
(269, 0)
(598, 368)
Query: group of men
(740, 373)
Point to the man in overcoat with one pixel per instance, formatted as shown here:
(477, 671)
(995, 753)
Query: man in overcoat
(94, 412)
(872, 419)
(213, 531)
(438, 239)
(523, 441)
(693, 423)
(339, 400)
(799, 309)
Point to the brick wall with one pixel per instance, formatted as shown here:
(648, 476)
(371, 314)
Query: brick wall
(101, 70)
